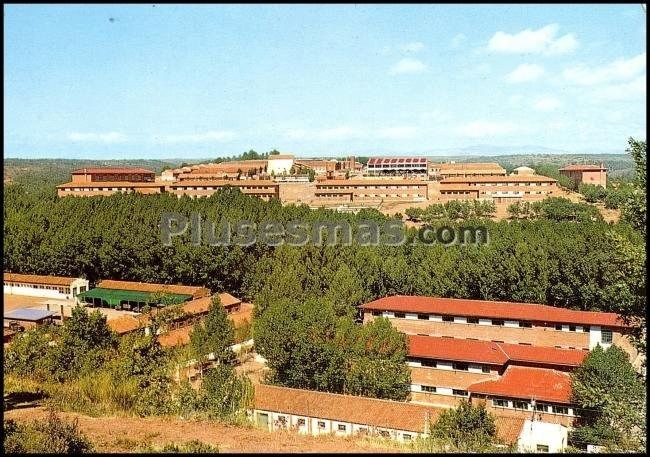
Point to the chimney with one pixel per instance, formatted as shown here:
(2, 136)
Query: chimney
(62, 315)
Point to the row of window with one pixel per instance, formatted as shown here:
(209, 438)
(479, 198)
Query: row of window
(385, 187)
(434, 389)
(527, 406)
(217, 188)
(282, 421)
(507, 184)
(459, 366)
(38, 286)
(475, 320)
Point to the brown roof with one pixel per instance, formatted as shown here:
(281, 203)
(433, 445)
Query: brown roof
(464, 166)
(195, 291)
(345, 408)
(493, 309)
(127, 323)
(202, 305)
(102, 184)
(39, 279)
(578, 167)
(115, 170)
(498, 179)
(281, 156)
(371, 182)
(373, 412)
(224, 182)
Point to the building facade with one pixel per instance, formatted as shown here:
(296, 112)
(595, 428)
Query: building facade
(112, 174)
(586, 174)
(381, 166)
(500, 189)
(439, 171)
(57, 287)
(360, 190)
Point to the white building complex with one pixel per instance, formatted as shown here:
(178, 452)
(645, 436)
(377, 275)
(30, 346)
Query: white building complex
(58, 287)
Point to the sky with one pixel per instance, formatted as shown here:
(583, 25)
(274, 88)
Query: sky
(166, 81)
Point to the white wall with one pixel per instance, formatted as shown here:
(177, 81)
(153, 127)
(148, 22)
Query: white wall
(279, 166)
(32, 290)
(535, 433)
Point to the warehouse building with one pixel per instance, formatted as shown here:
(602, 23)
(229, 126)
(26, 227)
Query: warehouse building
(56, 287)
(133, 296)
(440, 171)
(113, 174)
(392, 166)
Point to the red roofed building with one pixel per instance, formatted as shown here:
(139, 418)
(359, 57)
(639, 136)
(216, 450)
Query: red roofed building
(378, 166)
(443, 369)
(112, 174)
(508, 322)
(531, 392)
(586, 174)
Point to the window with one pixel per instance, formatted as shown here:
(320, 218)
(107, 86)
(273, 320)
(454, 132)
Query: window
(447, 318)
(431, 389)
(585, 328)
(376, 313)
(606, 336)
(459, 392)
(423, 317)
(499, 402)
(572, 328)
(485, 369)
(428, 363)
(400, 315)
(520, 404)
(341, 427)
(301, 422)
(560, 410)
(459, 366)
(558, 326)
(406, 436)
(384, 433)
(497, 341)
(540, 407)
(525, 324)
(542, 448)
(321, 424)
(497, 322)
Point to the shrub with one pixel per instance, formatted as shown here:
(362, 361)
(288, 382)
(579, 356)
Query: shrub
(51, 435)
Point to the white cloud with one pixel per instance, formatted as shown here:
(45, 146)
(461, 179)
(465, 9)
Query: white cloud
(540, 41)
(416, 46)
(619, 70)
(547, 103)
(397, 133)
(408, 66)
(526, 72)
(219, 136)
(632, 90)
(458, 40)
(108, 137)
(478, 129)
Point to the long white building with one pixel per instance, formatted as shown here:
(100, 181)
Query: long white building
(57, 287)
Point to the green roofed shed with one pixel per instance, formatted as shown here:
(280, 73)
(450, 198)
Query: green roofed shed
(128, 298)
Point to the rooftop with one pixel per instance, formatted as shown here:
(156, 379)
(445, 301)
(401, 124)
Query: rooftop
(498, 179)
(202, 305)
(28, 314)
(397, 160)
(39, 279)
(493, 309)
(528, 383)
(103, 184)
(373, 412)
(489, 352)
(194, 291)
(114, 170)
(469, 166)
(583, 167)
(371, 182)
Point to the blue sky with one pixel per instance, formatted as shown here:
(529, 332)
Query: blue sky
(169, 81)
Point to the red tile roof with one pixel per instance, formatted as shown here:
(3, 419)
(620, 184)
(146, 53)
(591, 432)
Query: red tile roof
(493, 309)
(489, 352)
(528, 383)
(39, 279)
(578, 167)
(373, 412)
(114, 170)
(202, 305)
(462, 350)
(543, 355)
(497, 179)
